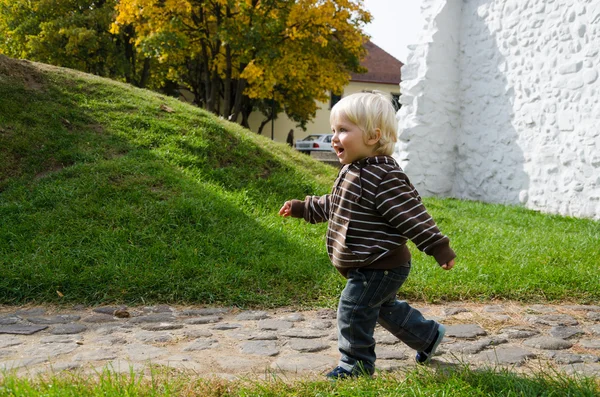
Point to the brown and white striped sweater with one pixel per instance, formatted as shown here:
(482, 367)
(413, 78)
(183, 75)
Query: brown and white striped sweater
(372, 211)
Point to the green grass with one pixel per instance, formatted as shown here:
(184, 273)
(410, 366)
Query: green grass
(106, 198)
(459, 382)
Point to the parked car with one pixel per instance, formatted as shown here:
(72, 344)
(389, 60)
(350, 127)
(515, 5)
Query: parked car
(316, 142)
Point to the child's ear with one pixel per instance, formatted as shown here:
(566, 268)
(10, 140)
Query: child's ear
(376, 138)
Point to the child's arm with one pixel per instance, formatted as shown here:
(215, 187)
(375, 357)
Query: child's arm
(313, 209)
(399, 203)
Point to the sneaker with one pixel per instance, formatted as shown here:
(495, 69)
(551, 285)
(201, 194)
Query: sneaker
(339, 373)
(424, 357)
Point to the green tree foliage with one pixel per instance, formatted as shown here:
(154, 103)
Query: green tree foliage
(236, 56)
(73, 34)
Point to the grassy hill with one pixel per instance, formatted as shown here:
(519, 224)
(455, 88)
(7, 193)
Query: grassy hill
(110, 193)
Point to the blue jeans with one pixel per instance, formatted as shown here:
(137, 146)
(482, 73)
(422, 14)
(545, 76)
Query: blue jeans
(369, 298)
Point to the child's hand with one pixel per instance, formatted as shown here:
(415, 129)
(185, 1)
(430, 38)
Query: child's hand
(286, 210)
(449, 265)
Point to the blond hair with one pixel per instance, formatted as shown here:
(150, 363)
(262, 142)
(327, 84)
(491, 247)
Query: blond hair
(370, 111)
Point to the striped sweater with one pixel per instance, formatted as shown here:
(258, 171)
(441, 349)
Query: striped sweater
(372, 211)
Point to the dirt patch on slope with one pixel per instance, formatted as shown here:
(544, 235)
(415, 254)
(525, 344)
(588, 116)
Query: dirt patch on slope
(20, 70)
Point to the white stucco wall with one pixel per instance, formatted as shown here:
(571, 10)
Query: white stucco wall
(502, 97)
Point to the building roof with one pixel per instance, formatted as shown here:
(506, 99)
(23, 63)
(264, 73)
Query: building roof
(381, 67)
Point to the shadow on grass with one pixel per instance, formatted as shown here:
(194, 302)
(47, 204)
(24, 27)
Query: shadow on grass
(102, 208)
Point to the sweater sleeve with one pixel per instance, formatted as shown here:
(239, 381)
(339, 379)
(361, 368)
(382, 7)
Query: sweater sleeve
(399, 203)
(313, 209)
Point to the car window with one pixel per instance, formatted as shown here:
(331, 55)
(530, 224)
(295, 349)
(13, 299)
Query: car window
(328, 138)
(311, 138)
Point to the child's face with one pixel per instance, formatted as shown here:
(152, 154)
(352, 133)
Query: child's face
(348, 141)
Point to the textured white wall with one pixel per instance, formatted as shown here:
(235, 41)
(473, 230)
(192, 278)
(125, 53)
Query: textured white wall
(503, 97)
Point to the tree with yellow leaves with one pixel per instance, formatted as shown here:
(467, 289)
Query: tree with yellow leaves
(237, 56)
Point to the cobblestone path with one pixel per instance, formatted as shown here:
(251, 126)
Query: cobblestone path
(232, 343)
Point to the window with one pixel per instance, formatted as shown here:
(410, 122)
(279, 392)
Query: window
(334, 98)
(396, 101)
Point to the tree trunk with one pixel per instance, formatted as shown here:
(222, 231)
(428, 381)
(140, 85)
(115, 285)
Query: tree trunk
(227, 84)
(145, 73)
(240, 86)
(263, 123)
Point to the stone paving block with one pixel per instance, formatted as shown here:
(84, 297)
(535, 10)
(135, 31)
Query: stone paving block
(274, 325)
(61, 366)
(144, 352)
(505, 355)
(320, 324)
(158, 309)
(594, 316)
(260, 348)
(226, 326)
(315, 363)
(304, 333)
(108, 310)
(452, 311)
(565, 332)
(326, 314)
(593, 344)
(518, 332)
(21, 363)
(109, 340)
(197, 333)
(95, 354)
(99, 319)
(34, 311)
(184, 362)
(386, 353)
(153, 318)
(203, 320)
(385, 338)
(585, 308)
(201, 344)
(242, 363)
(204, 312)
(308, 345)
(494, 309)
(9, 320)
(571, 358)
(21, 329)
(60, 339)
(465, 331)
(68, 329)
(553, 319)
(8, 341)
(48, 350)
(461, 348)
(59, 319)
(548, 343)
(541, 309)
(252, 315)
(392, 365)
(585, 369)
(248, 334)
(294, 317)
(154, 337)
(7, 353)
(123, 367)
(161, 327)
